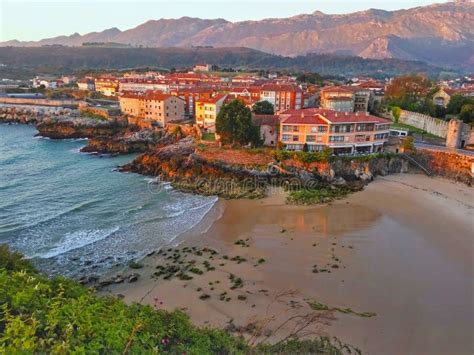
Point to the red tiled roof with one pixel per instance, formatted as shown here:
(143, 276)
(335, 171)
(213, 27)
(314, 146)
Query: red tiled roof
(280, 87)
(321, 116)
(211, 100)
(153, 95)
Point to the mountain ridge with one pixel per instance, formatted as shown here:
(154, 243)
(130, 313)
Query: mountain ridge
(372, 33)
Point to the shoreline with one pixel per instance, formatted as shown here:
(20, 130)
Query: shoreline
(380, 247)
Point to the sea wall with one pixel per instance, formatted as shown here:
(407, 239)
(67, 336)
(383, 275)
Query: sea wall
(38, 102)
(427, 123)
(32, 114)
(451, 165)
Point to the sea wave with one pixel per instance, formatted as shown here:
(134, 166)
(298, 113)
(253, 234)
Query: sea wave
(77, 240)
(75, 208)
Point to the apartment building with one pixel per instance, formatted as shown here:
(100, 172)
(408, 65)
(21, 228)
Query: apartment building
(344, 132)
(86, 84)
(142, 85)
(282, 96)
(191, 96)
(346, 99)
(207, 111)
(107, 86)
(157, 107)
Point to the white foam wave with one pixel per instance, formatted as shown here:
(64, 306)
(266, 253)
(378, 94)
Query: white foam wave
(77, 240)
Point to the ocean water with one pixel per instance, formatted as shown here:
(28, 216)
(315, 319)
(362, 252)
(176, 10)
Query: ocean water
(73, 213)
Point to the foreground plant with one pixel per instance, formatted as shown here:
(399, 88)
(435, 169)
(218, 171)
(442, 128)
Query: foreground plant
(43, 315)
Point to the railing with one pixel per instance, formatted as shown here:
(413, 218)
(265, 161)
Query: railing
(417, 164)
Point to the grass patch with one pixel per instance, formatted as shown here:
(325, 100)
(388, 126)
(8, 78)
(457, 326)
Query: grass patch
(208, 137)
(320, 195)
(316, 306)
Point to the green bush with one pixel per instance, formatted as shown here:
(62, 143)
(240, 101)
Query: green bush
(43, 315)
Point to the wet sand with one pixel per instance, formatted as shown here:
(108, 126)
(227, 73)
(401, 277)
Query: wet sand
(403, 249)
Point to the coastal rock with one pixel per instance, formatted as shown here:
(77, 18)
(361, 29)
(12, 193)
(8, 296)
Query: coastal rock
(78, 127)
(133, 278)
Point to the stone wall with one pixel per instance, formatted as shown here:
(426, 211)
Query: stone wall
(38, 102)
(451, 165)
(427, 123)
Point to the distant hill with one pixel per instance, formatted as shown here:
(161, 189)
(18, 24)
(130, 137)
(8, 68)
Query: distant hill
(440, 34)
(58, 59)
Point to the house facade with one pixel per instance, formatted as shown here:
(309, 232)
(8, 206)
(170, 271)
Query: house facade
(344, 132)
(207, 111)
(282, 96)
(159, 108)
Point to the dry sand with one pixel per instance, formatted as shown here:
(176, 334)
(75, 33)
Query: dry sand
(403, 249)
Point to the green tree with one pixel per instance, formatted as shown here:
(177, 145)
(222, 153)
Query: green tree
(467, 114)
(396, 112)
(408, 144)
(234, 125)
(457, 102)
(263, 108)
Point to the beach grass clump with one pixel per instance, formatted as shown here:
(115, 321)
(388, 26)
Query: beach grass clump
(135, 265)
(317, 306)
(319, 195)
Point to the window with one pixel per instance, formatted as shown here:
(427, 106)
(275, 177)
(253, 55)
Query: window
(334, 139)
(295, 138)
(323, 129)
(295, 128)
(311, 139)
(286, 137)
(314, 129)
(319, 139)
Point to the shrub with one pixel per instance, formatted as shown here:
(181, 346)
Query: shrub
(43, 315)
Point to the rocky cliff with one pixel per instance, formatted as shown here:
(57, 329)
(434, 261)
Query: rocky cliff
(78, 127)
(190, 169)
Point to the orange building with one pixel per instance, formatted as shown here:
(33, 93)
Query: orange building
(156, 107)
(344, 132)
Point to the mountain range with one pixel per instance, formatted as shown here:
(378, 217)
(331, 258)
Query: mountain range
(439, 34)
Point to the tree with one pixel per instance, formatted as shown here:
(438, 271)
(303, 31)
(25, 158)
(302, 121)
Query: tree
(234, 125)
(408, 144)
(457, 102)
(263, 108)
(396, 112)
(467, 114)
(408, 91)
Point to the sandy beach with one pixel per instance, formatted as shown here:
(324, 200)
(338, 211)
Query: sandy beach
(388, 269)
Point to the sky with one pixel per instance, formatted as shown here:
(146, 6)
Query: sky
(37, 19)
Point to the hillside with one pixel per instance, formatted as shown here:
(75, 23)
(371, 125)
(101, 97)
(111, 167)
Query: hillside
(26, 62)
(441, 34)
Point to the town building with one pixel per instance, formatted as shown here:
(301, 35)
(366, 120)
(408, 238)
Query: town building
(268, 125)
(443, 96)
(207, 111)
(191, 96)
(282, 96)
(346, 98)
(157, 107)
(86, 84)
(142, 85)
(344, 132)
(107, 86)
(204, 67)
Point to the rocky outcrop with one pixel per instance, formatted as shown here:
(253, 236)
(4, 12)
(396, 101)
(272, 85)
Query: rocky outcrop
(130, 142)
(78, 127)
(190, 170)
(33, 114)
